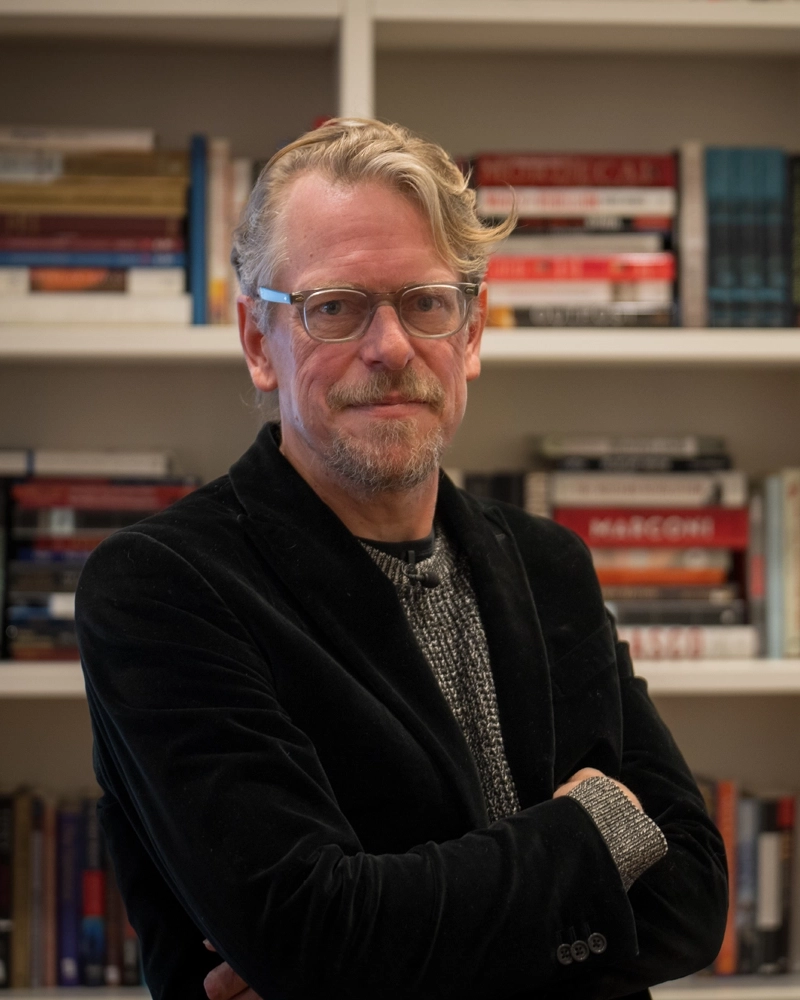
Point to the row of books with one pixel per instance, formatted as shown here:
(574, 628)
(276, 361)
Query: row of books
(694, 561)
(701, 237)
(760, 832)
(100, 225)
(58, 507)
(62, 919)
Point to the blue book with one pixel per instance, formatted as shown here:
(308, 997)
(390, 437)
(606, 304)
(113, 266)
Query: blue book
(774, 176)
(93, 900)
(721, 276)
(773, 551)
(748, 823)
(116, 259)
(198, 180)
(748, 281)
(69, 837)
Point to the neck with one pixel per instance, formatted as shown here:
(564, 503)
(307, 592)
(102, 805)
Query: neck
(384, 516)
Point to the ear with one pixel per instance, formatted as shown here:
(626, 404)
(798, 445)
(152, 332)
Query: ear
(255, 347)
(477, 322)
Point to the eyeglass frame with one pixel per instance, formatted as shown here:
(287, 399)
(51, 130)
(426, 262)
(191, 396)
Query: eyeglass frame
(374, 299)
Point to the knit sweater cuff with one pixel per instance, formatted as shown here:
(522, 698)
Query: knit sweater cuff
(633, 839)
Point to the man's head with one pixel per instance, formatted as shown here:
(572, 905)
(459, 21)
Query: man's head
(365, 206)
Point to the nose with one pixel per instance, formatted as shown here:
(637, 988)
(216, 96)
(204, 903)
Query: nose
(386, 344)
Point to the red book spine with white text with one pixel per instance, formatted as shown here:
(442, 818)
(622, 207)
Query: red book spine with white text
(575, 169)
(706, 527)
(613, 267)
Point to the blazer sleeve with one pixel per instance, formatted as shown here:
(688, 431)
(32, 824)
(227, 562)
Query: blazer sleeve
(235, 811)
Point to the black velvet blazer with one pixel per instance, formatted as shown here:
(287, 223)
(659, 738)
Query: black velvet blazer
(283, 775)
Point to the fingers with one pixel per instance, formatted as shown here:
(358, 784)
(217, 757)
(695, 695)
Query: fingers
(591, 772)
(222, 983)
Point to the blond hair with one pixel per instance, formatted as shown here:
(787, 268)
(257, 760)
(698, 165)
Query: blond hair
(354, 150)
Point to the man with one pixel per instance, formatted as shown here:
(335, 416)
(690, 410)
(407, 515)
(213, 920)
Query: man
(366, 735)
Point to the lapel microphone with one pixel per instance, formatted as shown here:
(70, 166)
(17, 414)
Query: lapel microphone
(428, 578)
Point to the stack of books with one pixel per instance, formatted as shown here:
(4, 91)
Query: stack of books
(92, 227)
(593, 243)
(62, 919)
(55, 518)
(760, 835)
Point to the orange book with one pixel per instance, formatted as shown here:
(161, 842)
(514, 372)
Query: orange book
(660, 576)
(727, 796)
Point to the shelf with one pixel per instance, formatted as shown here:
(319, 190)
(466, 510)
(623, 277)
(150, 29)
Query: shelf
(746, 26)
(730, 988)
(166, 343)
(80, 993)
(248, 22)
(677, 677)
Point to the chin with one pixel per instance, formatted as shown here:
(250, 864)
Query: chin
(393, 456)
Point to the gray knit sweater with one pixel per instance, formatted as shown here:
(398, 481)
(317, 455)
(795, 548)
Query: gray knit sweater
(439, 602)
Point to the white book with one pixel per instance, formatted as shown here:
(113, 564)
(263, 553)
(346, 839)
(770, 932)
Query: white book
(657, 293)
(599, 445)
(642, 489)
(692, 237)
(28, 166)
(557, 293)
(580, 244)
(125, 464)
(95, 307)
(14, 280)
(690, 642)
(71, 139)
(576, 202)
(155, 281)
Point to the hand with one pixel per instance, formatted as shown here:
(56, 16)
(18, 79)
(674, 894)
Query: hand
(591, 772)
(222, 983)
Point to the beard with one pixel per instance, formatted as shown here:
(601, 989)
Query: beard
(391, 456)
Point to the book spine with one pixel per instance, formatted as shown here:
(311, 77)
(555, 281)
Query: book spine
(26, 165)
(611, 314)
(662, 225)
(579, 170)
(95, 496)
(132, 280)
(105, 259)
(575, 489)
(688, 612)
(128, 464)
(75, 139)
(772, 847)
(79, 244)
(74, 226)
(725, 815)
(218, 235)
(756, 569)
(36, 890)
(114, 918)
(578, 244)
(640, 463)
(612, 267)
(720, 260)
(748, 820)
(241, 186)
(713, 527)
(21, 891)
(777, 210)
(49, 894)
(6, 913)
(576, 202)
(679, 446)
(774, 584)
(693, 239)
(794, 225)
(93, 900)
(197, 229)
(790, 481)
(690, 642)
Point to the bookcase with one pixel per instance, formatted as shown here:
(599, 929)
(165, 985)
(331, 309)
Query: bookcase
(566, 75)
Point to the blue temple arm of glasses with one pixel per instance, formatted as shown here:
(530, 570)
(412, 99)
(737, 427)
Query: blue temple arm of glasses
(270, 295)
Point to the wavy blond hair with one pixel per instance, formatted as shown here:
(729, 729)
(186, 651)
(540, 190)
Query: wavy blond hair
(354, 150)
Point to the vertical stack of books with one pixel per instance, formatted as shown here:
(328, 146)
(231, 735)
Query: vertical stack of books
(667, 523)
(778, 538)
(593, 243)
(92, 227)
(760, 835)
(62, 920)
(57, 516)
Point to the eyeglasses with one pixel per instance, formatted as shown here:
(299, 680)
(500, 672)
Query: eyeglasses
(339, 314)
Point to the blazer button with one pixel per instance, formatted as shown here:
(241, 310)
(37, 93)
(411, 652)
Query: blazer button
(564, 954)
(597, 943)
(579, 951)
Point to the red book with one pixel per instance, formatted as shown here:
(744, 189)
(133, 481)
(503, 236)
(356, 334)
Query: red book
(725, 817)
(88, 494)
(612, 267)
(575, 170)
(110, 226)
(85, 243)
(706, 527)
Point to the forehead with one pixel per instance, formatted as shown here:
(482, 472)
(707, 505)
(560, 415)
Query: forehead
(357, 234)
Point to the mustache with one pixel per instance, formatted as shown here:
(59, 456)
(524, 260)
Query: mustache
(407, 383)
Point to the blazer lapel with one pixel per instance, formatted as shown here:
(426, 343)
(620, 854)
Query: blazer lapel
(516, 646)
(353, 605)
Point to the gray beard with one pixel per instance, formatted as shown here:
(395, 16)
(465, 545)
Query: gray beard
(365, 462)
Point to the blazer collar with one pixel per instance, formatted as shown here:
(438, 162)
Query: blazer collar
(353, 604)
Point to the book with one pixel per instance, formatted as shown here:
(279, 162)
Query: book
(98, 195)
(620, 267)
(523, 244)
(94, 495)
(95, 307)
(568, 293)
(610, 314)
(574, 202)
(130, 279)
(77, 243)
(756, 569)
(61, 462)
(198, 274)
(21, 878)
(640, 489)
(74, 226)
(114, 912)
(49, 893)
(724, 594)
(6, 911)
(115, 259)
(774, 557)
(218, 231)
(93, 900)
(656, 224)
(790, 508)
(68, 139)
(39, 164)
(638, 463)
(69, 838)
(773, 884)
(748, 816)
(574, 169)
(596, 445)
(692, 234)
(726, 818)
(690, 642)
(710, 527)
(677, 612)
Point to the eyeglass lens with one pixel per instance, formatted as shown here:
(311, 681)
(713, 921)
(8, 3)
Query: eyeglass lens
(426, 311)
